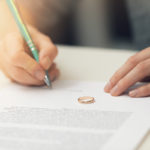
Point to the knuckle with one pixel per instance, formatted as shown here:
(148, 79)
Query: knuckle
(132, 60)
(121, 84)
(141, 67)
(113, 80)
(116, 76)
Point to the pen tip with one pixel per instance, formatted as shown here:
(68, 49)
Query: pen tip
(47, 80)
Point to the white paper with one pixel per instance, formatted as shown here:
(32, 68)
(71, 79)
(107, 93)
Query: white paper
(40, 118)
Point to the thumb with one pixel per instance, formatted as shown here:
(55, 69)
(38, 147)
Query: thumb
(47, 50)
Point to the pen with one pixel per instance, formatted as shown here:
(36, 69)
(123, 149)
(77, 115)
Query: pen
(24, 31)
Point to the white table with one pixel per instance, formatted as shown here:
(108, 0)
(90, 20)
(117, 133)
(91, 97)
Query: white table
(92, 64)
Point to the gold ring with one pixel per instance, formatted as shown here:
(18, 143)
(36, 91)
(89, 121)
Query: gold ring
(86, 100)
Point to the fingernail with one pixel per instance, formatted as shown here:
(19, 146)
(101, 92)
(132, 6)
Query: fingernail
(108, 87)
(114, 90)
(39, 75)
(133, 93)
(47, 62)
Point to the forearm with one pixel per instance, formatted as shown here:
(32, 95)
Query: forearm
(7, 23)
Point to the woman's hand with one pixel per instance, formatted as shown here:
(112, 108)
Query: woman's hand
(134, 70)
(17, 63)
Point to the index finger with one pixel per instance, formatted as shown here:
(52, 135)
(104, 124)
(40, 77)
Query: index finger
(126, 68)
(135, 75)
(19, 58)
(47, 50)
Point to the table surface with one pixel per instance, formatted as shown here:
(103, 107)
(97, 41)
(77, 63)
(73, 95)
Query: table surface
(90, 64)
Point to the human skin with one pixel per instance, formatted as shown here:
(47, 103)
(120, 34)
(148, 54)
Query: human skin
(16, 60)
(136, 69)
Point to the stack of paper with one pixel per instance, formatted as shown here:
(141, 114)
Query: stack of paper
(34, 118)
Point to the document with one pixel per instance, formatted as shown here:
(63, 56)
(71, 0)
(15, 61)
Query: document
(35, 118)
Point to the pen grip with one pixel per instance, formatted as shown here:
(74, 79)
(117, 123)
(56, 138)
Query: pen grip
(35, 55)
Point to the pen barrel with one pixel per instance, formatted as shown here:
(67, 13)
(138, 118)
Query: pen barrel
(23, 29)
(35, 55)
(33, 49)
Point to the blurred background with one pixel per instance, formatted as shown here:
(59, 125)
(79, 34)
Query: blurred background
(98, 23)
(119, 24)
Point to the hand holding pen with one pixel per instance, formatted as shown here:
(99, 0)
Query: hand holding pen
(17, 61)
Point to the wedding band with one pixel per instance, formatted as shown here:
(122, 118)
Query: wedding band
(86, 100)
